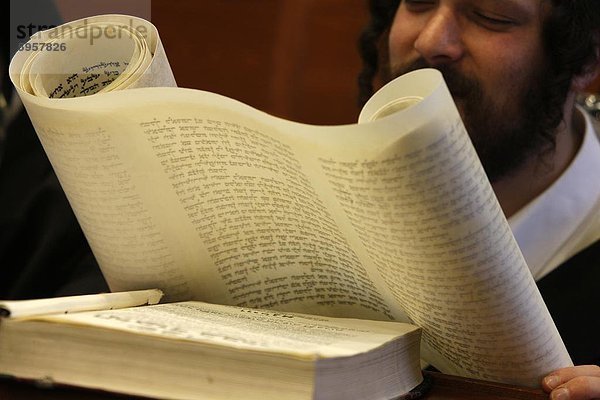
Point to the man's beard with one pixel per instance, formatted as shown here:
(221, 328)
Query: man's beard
(504, 137)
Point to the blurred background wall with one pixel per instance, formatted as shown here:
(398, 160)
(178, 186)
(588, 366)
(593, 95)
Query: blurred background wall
(296, 59)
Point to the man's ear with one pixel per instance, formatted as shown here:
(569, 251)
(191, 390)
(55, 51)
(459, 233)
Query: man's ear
(582, 81)
(590, 71)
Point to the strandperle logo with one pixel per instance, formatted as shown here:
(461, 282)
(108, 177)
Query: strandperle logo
(28, 17)
(86, 30)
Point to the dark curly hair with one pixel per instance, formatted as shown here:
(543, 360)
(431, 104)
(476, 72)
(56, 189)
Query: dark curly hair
(572, 42)
(371, 48)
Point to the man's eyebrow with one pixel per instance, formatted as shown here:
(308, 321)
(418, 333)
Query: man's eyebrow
(525, 8)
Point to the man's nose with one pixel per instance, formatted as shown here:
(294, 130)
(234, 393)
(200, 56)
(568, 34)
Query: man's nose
(440, 40)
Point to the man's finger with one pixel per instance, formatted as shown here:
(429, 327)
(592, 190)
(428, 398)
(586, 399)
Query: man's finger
(563, 375)
(579, 388)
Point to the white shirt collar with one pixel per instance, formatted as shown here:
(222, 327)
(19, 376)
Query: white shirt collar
(564, 218)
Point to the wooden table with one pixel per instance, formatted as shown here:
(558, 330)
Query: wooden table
(443, 387)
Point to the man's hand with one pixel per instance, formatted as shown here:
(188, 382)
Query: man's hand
(573, 383)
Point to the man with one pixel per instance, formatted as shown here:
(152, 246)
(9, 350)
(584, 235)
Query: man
(514, 68)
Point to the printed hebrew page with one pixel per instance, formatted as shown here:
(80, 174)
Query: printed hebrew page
(300, 335)
(445, 248)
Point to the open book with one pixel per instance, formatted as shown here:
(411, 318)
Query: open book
(195, 350)
(208, 199)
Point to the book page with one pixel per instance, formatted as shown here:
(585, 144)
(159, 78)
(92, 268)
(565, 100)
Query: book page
(249, 329)
(173, 204)
(392, 218)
